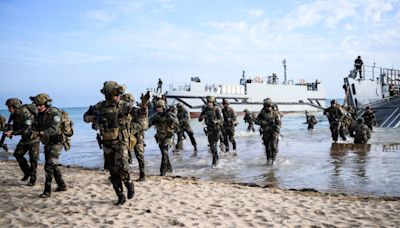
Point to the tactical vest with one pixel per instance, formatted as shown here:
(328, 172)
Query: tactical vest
(165, 126)
(268, 120)
(114, 125)
(211, 118)
(228, 115)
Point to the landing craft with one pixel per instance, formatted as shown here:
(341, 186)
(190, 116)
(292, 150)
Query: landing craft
(378, 88)
(249, 94)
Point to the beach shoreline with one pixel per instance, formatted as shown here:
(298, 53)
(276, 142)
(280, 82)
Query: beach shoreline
(180, 201)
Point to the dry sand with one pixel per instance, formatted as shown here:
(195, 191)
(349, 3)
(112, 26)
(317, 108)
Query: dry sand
(174, 201)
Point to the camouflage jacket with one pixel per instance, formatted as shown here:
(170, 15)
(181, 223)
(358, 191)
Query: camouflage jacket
(212, 117)
(334, 114)
(48, 124)
(310, 119)
(369, 117)
(269, 120)
(2, 123)
(23, 120)
(229, 116)
(165, 123)
(116, 120)
(183, 116)
(249, 117)
(362, 133)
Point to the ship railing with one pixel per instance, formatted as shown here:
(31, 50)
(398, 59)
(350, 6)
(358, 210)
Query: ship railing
(179, 87)
(385, 75)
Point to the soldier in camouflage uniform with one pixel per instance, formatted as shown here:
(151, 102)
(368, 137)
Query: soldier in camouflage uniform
(213, 119)
(22, 125)
(48, 125)
(166, 123)
(335, 116)
(310, 120)
(269, 120)
(369, 117)
(184, 126)
(249, 118)
(139, 125)
(2, 123)
(362, 133)
(229, 124)
(113, 117)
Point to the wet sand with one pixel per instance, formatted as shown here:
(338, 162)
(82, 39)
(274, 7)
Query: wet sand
(174, 201)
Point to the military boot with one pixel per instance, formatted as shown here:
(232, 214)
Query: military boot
(194, 151)
(234, 145)
(141, 177)
(47, 191)
(32, 180)
(26, 176)
(130, 188)
(121, 199)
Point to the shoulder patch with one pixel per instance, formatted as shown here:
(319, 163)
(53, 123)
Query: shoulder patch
(57, 119)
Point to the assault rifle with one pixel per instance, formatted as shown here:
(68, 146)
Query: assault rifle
(3, 137)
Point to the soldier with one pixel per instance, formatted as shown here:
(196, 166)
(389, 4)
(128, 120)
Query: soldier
(249, 118)
(139, 125)
(48, 125)
(230, 122)
(369, 117)
(335, 116)
(362, 133)
(2, 123)
(166, 124)
(22, 125)
(270, 125)
(358, 63)
(159, 85)
(113, 118)
(213, 119)
(310, 120)
(184, 126)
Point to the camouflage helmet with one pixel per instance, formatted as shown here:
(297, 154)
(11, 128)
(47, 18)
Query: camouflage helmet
(160, 103)
(111, 88)
(128, 97)
(225, 101)
(246, 110)
(14, 102)
(267, 103)
(179, 105)
(360, 120)
(210, 99)
(333, 102)
(41, 99)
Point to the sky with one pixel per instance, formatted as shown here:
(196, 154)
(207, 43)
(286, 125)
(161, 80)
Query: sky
(69, 48)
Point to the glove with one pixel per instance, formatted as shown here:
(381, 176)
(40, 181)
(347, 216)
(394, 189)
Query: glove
(145, 99)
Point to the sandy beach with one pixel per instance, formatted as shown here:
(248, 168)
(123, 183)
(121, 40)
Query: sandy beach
(175, 201)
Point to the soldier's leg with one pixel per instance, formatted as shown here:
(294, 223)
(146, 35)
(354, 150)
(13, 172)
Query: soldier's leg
(213, 140)
(49, 170)
(168, 142)
(55, 154)
(139, 152)
(117, 185)
(19, 153)
(164, 153)
(225, 134)
(189, 131)
(232, 138)
(267, 144)
(274, 146)
(179, 143)
(122, 164)
(33, 159)
(334, 132)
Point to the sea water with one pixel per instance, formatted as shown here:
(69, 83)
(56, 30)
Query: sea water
(306, 159)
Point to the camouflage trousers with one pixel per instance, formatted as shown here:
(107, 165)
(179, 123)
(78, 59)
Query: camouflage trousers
(51, 156)
(116, 161)
(334, 127)
(229, 133)
(181, 132)
(165, 144)
(139, 152)
(20, 151)
(213, 137)
(250, 127)
(271, 140)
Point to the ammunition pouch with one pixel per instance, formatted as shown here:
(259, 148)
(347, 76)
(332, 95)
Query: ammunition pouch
(110, 134)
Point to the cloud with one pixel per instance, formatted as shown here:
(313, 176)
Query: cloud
(228, 25)
(100, 15)
(255, 12)
(374, 9)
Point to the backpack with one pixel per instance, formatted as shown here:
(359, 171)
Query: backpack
(67, 129)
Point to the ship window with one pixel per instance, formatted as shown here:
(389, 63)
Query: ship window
(353, 88)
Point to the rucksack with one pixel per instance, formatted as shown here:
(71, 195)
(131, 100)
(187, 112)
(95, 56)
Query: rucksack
(67, 129)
